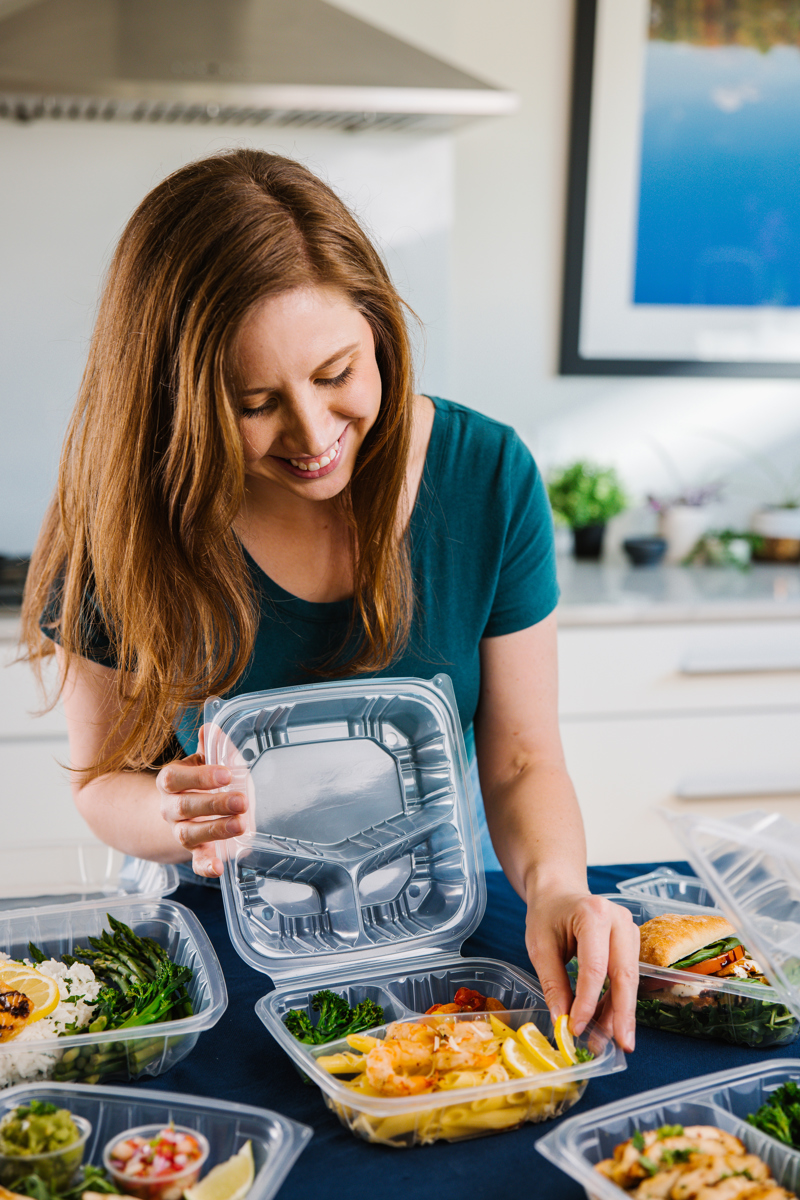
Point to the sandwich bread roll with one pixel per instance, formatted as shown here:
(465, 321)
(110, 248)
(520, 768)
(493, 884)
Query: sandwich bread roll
(670, 937)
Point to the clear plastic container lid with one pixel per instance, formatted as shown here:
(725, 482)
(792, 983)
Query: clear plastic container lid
(682, 891)
(751, 864)
(361, 844)
(56, 874)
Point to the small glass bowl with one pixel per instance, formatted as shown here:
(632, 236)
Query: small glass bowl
(161, 1187)
(57, 1168)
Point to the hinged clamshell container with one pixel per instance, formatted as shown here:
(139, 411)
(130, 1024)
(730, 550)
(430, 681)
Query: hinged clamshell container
(723, 1100)
(360, 870)
(738, 1011)
(684, 892)
(752, 866)
(57, 874)
(276, 1141)
(117, 1053)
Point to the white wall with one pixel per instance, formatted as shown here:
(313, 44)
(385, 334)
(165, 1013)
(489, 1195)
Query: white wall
(507, 254)
(66, 190)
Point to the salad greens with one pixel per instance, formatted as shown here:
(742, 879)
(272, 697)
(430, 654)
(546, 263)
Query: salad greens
(713, 950)
(780, 1116)
(92, 1179)
(336, 1019)
(742, 1020)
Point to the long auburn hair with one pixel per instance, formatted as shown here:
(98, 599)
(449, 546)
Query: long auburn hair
(138, 538)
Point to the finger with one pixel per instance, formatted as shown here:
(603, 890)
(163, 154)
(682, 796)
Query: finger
(191, 775)
(623, 971)
(205, 862)
(191, 834)
(546, 958)
(593, 933)
(188, 806)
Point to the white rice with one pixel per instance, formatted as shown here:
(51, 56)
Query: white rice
(79, 981)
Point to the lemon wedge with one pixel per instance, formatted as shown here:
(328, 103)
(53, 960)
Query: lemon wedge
(41, 990)
(230, 1180)
(499, 1028)
(516, 1060)
(533, 1041)
(564, 1038)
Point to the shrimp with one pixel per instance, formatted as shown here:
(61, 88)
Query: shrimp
(410, 1031)
(463, 1046)
(401, 1067)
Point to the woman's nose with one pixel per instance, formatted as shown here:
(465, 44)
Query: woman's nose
(309, 428)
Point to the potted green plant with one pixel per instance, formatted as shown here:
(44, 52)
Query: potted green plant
(587, 497)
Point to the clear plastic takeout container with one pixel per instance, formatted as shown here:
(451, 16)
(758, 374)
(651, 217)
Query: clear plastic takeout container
(276, 1141)
(117, 1053)
(706, 1006)
(752, 865)
(723, 1100)
(53, 874)
(683, 891)
(361, 872)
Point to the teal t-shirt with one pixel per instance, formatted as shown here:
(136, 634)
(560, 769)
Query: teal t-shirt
(481, 541)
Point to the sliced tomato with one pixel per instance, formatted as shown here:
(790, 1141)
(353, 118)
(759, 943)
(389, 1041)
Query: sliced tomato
(711, 965)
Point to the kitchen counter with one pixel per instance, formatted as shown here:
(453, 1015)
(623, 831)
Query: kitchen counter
(615, 594)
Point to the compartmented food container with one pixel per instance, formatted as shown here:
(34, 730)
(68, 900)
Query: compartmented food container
(683, 891)
(275, 1140)
(722, 1100)
(733, 1010)
(54, 874)
(360, 873)
(117, 1053)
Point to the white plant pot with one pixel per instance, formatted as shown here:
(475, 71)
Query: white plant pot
(777, 523)
(682, 526)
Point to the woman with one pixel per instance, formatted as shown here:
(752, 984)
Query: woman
(251, 496)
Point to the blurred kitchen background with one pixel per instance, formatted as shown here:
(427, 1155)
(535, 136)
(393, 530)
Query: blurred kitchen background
(680, 684)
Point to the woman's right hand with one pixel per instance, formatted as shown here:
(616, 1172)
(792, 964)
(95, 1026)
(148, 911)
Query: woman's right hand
(201, 808)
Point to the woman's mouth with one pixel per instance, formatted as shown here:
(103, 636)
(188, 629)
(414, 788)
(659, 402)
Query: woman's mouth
(315, 468)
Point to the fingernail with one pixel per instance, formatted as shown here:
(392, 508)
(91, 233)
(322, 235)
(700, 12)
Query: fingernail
(236, 804)
(630, 1037)
(234, 825)
(222, 776)
(555, 1013)
(578, 1028)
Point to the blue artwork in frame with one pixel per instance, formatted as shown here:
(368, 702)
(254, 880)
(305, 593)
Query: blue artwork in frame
(696, 268)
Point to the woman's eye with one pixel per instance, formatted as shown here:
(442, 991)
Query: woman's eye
(267, 407)
(338, 380)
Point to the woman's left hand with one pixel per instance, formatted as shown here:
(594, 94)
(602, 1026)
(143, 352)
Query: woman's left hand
(606, 942)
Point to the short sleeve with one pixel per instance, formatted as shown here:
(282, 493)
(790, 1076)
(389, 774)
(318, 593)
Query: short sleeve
(97, 645)
(527, 585)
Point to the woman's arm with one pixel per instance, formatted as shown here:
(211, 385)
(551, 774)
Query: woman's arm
(537, 831)
(160, 816)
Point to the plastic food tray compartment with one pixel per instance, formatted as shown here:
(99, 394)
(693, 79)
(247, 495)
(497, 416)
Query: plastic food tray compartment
(705, 1006)
(723, 1099)
(683, 891)
(54, 874)
(277, 1142)
(120, 1053)
(361, 871)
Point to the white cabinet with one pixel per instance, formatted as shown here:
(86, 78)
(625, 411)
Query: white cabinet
(692, 716)
(34, 753)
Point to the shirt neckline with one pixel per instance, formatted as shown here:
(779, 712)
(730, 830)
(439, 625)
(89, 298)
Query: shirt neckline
(339, 611)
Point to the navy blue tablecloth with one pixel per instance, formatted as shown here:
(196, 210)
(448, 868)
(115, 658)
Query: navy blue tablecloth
(238, 1060)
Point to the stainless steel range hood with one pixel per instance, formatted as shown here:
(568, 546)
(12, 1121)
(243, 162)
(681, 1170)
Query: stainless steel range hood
(285, 62)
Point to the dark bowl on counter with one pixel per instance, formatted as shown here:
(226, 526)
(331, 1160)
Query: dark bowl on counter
(645, 551)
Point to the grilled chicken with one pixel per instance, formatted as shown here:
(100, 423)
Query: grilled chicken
(15, 1009)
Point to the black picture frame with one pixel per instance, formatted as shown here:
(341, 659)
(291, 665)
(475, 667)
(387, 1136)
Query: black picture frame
(571, 361)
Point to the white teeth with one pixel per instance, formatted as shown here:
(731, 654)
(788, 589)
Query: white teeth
(302, 466)
(323, 462)
(294, 462)
(313, 466)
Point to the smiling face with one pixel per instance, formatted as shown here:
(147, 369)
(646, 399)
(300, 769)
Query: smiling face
(310, 391)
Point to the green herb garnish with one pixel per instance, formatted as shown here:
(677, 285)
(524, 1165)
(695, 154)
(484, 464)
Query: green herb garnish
(648, 1164)
(638, 1140)
(780, 1116)
(669, 1131)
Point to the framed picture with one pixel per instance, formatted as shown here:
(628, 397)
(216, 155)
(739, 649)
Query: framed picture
(683, 221)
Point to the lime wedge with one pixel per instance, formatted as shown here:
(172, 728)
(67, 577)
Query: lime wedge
(230, 1180)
